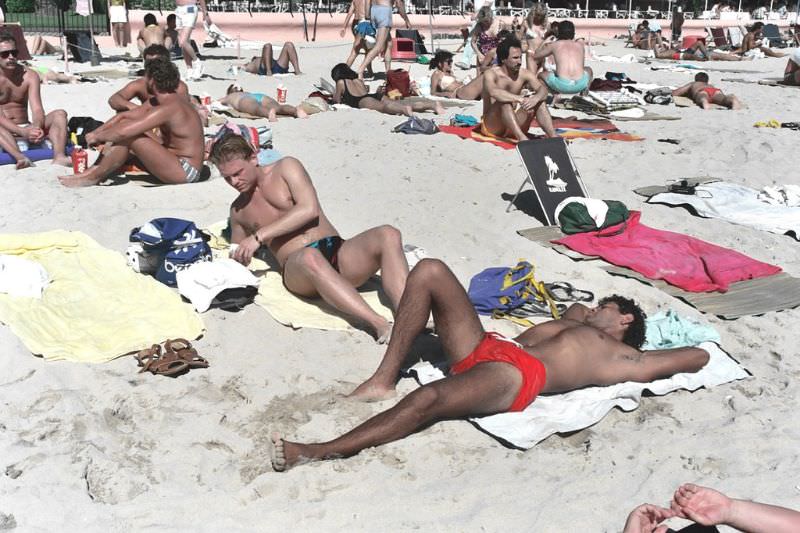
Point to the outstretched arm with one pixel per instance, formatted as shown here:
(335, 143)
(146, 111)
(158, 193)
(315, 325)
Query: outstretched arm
(710, 507)
(121, 100)
(644, 367)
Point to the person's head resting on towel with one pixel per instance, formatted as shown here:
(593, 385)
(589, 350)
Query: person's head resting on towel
(489, 373)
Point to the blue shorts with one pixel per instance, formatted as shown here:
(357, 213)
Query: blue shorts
(275, 69)
(364, 28)
(560, 85)
(380, 16)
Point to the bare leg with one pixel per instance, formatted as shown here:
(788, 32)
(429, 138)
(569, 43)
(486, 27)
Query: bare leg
(381, 39)
(771, 53)
(9, 145)
(730, 101)
(516, 122)
(376, 249)
(357, 44)
(470, 91)
(56, 124)
(701, 99)
(289, 55)
(387, 52)
(307, 273)
(112, 158)
(544, 119)
(431, 287)
(266, 59)
(427, 105)
(385, 105)
(188, 52)
(487, 388)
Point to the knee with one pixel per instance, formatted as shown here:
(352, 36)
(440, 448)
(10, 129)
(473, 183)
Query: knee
(59, 116)
(428, 270)
(311, 260)
(289, 45)
(267, 48)
(424, 400)
(390, 236)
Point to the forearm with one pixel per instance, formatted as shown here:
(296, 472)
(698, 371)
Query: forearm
(37, 118)
(296, 218)
(505, 97)
(755, 517)
(119, 103)
(9, 125)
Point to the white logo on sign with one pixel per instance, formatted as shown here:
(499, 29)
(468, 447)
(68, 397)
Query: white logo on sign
(554, 183)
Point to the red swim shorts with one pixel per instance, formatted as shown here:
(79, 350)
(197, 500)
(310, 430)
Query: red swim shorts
(494, 348)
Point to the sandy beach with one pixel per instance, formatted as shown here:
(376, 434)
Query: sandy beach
(103, 448)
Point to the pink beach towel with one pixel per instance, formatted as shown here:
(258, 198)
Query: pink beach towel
(685, 262)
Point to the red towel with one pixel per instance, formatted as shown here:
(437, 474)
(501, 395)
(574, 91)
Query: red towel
(680, 260)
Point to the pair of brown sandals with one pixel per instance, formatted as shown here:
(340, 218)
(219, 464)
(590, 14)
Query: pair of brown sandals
(177, 357)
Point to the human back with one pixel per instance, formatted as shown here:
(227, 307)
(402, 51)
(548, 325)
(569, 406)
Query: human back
(569, 56)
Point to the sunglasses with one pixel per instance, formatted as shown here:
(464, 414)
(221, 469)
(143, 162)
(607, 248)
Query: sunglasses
(6, 53)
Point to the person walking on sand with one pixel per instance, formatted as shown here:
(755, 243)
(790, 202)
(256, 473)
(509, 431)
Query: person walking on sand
(489, 373)
(186, 18)
(278, 208)
(380, 13)
(165, 134)
(506, 112)
(703, 94)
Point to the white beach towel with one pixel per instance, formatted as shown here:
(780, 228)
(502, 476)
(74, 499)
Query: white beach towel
(22, 277)
(785, 195)
(736, 204)
(627, 58)
(580, 409)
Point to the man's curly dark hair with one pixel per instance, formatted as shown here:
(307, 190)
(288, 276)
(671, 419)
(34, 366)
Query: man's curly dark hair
(164, 74)
(635, 334)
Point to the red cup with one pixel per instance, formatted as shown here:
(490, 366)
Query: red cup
(281, 95)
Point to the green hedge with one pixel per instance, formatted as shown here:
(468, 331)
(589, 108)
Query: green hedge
(21, 6)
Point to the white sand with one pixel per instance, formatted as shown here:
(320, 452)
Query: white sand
(98, 448)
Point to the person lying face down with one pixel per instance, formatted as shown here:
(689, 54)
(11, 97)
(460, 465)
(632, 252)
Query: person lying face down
(489, 373)
(703, 94)
(277, 208)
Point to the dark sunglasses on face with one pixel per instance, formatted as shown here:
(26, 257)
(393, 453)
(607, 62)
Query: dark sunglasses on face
(5, 53)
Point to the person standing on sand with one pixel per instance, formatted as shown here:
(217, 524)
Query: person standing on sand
(506, 113)
(278, 208)
(380, 13)
(186, 17)
(173, 153)
(20, 87)
(489, 373)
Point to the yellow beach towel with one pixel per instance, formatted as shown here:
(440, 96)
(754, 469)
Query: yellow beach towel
(285, 307)
(96, 308)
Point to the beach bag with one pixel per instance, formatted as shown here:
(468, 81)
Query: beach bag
(502, 288)
(260, 137)
(400, 81)
(80, 126)
(579, 215)
(177, 243)
(415, 125)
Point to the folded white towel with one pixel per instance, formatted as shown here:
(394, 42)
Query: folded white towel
(202, 281)
(22, 277)
(571, 411)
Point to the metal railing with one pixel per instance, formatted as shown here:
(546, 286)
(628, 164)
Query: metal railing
(54, 17)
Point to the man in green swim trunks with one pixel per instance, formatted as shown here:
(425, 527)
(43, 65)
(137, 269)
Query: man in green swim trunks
(259, 104)
(570, 77)
(278, 208)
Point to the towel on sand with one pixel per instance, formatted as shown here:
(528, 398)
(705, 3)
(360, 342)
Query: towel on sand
(682, 261)
(736, 204)
(285, 307)
(572, 411)
(95, 308)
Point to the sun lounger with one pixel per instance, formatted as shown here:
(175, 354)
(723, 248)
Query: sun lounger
(576, 410)
(745, 298)
(551, 172)
(772, 33)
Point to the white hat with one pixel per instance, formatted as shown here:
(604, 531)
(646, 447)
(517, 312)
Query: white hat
(202, 281)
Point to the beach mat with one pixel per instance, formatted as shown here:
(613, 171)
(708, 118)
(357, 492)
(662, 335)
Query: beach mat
(287, 308)
(744, 298)
(576, 410)
(108, 74)
(685, 101)
(96, 308)
(731, 202)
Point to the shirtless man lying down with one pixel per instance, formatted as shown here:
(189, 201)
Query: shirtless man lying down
(491, 374)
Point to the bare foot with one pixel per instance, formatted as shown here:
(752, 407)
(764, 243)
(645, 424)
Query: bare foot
(24, 163)
(370, 391)
(79, 180)
(735, 104)
(439, 109)
(272, 116)
(384, 334)
(298, 72)
(286, 454)
(301, 114)
(63, 160)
